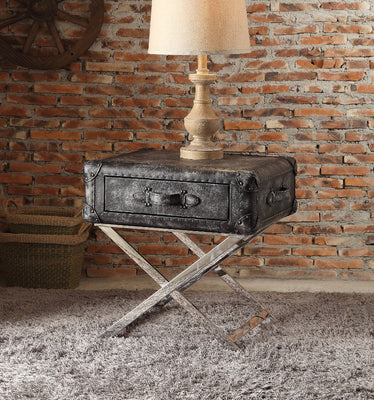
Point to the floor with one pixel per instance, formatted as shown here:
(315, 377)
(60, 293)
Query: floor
(216, 284)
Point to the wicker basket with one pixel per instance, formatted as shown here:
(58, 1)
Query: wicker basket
(43, 261)
(42, 220)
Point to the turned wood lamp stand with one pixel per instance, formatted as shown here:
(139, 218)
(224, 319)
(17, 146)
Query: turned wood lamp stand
(202, 122)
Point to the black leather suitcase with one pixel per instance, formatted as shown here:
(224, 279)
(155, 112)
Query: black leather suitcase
(239, 194)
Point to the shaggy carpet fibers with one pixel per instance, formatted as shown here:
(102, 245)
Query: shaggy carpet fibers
(321, 346)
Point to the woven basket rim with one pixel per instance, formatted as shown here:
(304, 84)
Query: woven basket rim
(6, 237)
(41, 215)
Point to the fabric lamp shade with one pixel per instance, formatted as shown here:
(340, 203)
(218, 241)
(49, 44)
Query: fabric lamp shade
(194, 27)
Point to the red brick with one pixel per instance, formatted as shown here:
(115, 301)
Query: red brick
(91, 78)
(165, 250)
(86, 124)
(245, 77)
(58, 88)
(86, 146)
(318, 63)
(82, 101)
(15, 179)
(344, 170)
(335, 5)
(358, 228)
(287, 240)
(340, 76)
(266, 251)
(294, 76)
(135, 102)
(288, 123)
(165, 113)
(343, 124)
(261, 65)
(34, 191)
(318, 251)
(265, 18)
(16, 111)
(338, 264)
(353, 28)
(33, 76)
(362, 88)
(138, 79)
(295, 30)
(360, 112)
(63, 112)
(268, 112)
(31, 99)
(112, 113)
(110, 90)
(108, 135)
(359, 182)
(317, 230)
(290, 7)
(323, 40)
(266, 89)
(340, 193)
(132, 33)
(320, 112)
(338, 241)
(239, 101)
(242, 125)
(295, 262)
(35, 168)
(57, 180)
(343, 148)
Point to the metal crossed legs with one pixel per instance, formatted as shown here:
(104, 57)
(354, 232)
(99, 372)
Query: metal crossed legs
(172, 289)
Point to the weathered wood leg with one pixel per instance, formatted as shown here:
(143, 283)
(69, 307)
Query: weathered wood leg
(186, 278)
(161, 280)
(230, 281)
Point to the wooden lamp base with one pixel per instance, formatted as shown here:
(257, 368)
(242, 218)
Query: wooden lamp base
(202, 122)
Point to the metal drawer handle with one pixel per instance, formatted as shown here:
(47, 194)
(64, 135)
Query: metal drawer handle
(182, 199)
(277, 196)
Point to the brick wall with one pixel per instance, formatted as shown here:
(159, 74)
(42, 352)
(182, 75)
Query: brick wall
(305, 89)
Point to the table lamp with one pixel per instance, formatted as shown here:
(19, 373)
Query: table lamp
(199, 27)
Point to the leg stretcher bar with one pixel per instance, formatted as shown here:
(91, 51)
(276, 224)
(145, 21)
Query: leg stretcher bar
(172, 289)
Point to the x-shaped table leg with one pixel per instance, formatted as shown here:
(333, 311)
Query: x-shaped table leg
(230, 281)
(172, 288)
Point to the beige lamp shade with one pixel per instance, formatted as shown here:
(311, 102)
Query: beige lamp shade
(182, 27)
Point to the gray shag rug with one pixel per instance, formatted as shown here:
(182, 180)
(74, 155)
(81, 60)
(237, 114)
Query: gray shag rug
(321, 346)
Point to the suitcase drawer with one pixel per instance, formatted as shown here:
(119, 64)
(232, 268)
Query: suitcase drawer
(167, 198)
(155, 188)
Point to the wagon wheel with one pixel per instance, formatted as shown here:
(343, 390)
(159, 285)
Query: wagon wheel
(40, 34)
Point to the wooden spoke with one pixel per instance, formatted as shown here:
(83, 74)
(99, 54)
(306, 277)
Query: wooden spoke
(31, 37)
(56, 37)
(75, 19)
(12, 20)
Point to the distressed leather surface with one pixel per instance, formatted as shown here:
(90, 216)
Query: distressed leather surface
(239, 194)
